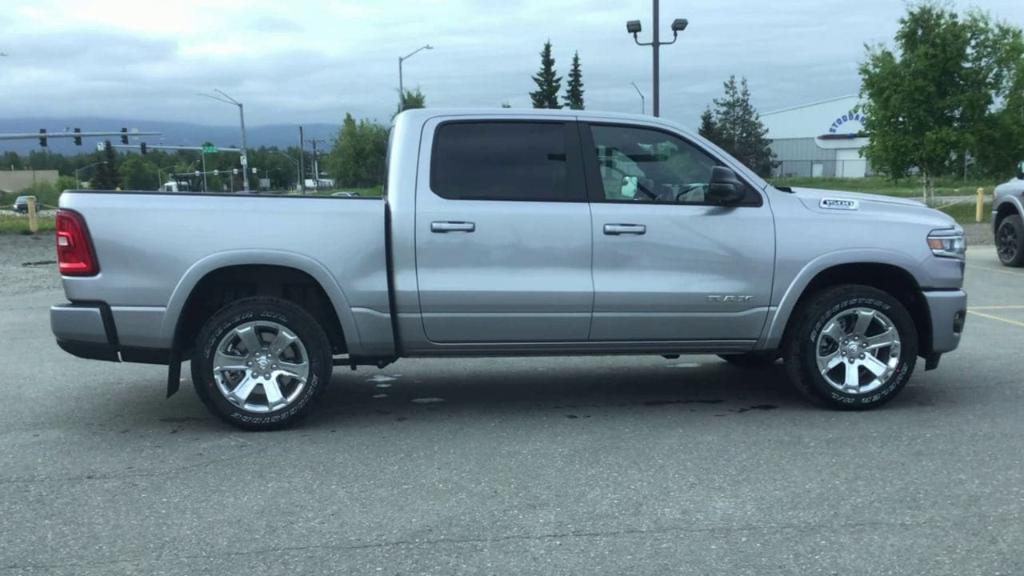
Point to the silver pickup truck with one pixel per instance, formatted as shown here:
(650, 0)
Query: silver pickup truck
(508, 233)
(1007, 225)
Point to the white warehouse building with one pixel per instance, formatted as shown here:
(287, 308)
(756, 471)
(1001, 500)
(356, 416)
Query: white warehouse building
(819, 140)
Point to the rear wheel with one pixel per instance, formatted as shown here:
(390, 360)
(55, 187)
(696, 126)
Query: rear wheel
(851, 347)
(259, 363)
(1010, 241)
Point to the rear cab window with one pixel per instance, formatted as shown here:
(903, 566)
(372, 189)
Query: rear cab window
(507, 160)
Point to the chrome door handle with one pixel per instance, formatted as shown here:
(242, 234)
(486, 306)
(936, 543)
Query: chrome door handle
(618, 229)
(442, 227)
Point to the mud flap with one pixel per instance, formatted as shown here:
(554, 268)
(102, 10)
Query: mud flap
(173, 373)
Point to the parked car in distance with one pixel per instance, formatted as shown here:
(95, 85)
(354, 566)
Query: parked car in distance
(21, 204)
(513, 233)
(346, 194)
(1007, 223)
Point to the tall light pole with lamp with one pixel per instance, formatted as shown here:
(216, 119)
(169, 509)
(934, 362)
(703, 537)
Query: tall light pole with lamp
(633, 27)
(222, 97)
(401, 86)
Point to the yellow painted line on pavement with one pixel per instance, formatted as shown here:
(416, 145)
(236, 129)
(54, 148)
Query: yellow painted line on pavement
(998, 318)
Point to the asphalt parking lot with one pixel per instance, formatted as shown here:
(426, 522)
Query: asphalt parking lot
(636, 465)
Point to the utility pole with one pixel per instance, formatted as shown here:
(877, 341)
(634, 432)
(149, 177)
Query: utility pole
(316, 161)
(633, 27)
(302, 162)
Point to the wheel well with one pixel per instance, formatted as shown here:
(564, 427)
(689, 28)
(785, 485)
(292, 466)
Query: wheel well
(226, 285)
(1007, 209)
(888, 278)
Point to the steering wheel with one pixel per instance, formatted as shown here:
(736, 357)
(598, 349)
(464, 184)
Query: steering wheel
(687, 190)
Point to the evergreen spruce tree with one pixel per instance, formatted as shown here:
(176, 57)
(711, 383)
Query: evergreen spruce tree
(574, 90)
(547, 80)
(736, 127)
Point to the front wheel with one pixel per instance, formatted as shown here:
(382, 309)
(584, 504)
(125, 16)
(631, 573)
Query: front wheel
(1010, 241)
(259, 363)
(851, 347)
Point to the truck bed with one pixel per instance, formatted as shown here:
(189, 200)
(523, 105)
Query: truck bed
(153, 248)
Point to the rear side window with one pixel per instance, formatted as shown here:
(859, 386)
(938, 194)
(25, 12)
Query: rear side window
(501, 161)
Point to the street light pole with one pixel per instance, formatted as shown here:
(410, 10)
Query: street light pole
(643, 101)
(633, 27)
(223, 97)
(78, 181)
(401, 86)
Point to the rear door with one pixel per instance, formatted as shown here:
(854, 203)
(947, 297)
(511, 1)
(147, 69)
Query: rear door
(503, 232)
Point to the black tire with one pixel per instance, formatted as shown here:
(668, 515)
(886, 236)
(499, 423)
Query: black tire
(1009, 239)
(800, 353)
(752, 360)
(270, 311)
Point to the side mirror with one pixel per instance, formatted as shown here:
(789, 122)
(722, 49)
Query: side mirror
(1020, 170)
(724, 189)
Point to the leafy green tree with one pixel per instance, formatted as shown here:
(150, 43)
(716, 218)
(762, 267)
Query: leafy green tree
(107, 176)
(412, 99)
(549, 84)
(574, 88)
(137, 173)
(937, 97)
(736, 127)
(358, 155)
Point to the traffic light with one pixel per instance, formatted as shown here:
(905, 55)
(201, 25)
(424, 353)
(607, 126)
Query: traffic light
(106, 145)
(124, 135)
(42, 137)
(78, 139)
(142, 148)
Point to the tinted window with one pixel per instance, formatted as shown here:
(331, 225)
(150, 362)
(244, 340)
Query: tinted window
(500, 161)
(644, 165)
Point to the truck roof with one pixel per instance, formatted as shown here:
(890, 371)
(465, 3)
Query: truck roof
(420, 116)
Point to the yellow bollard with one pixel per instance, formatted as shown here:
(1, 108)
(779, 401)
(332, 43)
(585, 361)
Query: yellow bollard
(33, 218)
(979, 210)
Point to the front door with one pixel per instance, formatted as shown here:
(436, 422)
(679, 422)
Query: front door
(503, 243)
(667, 264)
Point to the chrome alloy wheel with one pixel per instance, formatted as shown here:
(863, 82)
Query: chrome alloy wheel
(260, 366)
(858, 350)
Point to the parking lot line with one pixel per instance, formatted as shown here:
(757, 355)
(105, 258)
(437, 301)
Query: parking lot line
(991, 269)
(1007, 307)
(994, 317)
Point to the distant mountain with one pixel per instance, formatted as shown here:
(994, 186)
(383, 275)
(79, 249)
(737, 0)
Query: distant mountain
(177, 133)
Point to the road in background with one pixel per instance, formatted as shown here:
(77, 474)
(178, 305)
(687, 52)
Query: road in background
(632, 465)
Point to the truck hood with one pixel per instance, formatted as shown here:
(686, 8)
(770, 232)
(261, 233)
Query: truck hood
(815, 195)
(872, 207)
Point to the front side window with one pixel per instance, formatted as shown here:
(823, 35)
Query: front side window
(644, 165)
(501, 161)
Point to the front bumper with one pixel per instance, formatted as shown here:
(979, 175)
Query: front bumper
(947, 310)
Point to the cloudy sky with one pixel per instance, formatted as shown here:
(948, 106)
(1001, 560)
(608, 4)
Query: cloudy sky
(307, 61)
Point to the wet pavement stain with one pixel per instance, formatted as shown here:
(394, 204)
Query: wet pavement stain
(669, 402)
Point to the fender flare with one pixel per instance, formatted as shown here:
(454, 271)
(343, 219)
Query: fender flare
(200, 269)
(1010, 199)
(778, 321)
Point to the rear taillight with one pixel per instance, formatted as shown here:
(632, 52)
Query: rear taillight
(75, 256)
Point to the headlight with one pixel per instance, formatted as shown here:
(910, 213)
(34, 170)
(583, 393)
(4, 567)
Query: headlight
(948, 243)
